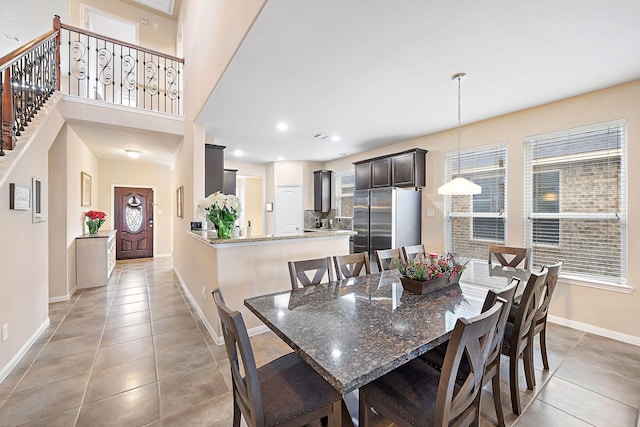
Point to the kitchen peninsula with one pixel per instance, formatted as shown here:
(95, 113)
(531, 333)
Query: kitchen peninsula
(244, 267)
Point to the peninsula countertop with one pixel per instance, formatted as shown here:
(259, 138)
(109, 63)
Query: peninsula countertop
(315, 233)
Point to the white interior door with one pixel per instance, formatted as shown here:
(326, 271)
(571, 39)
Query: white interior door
(289, 210)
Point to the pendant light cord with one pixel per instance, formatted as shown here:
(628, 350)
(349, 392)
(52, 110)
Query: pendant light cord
(459, 77)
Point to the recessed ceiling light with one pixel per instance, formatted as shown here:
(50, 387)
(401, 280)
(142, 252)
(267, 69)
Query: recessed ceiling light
(134, 154)
(343, 154)
(335, 138)
(280, 158)
(237, 153)
(282, 126)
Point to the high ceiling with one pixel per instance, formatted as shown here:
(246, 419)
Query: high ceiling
(375, 72)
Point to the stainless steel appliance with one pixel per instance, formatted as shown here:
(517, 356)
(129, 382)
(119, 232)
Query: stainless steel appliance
(386, 218)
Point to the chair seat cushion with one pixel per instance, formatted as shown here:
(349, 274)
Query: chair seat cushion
(409, 391)
(290, 388)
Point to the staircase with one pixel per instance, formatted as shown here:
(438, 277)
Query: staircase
(74, 62)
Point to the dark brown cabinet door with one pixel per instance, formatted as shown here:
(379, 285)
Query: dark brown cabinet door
(381, 172)
(403, 169)
(363, 175)
(133, 212)
(322, 190)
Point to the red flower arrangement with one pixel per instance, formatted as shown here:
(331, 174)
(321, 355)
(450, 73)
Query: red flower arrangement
(95, 219)
(432, 266)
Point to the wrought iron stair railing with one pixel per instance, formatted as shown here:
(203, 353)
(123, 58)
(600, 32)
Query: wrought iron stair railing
(88, 65)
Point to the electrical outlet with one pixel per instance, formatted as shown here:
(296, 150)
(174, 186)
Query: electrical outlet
(5, 332)
(204, 292)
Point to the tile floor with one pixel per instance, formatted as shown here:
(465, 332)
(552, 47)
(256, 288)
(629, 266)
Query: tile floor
(134, 353)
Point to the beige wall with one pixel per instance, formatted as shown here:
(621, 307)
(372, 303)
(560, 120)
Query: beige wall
(133, 173)
(161, 39)
(599, 308)
(25, 249)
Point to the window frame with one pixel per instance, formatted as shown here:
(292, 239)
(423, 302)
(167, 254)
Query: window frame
(338, 193)
(616, 282)
(498, 150)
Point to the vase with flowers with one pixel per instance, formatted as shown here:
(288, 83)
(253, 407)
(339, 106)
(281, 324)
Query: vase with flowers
(222, 210)
(95, 219)
(427, 273)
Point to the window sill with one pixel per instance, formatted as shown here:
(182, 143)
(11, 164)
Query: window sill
(625, 289)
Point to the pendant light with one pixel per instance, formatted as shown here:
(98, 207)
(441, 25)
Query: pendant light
(459, 186)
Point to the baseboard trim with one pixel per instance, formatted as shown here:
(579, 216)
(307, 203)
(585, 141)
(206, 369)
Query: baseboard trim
(218, 340)
(585, 327)
(257, 330)
(16, 359)
(63, 297)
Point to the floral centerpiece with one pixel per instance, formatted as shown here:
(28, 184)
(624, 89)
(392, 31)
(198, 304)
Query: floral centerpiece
(424, 274)
(222, 210)
(95, 219)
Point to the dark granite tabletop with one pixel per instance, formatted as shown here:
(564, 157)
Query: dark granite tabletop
(355, 330)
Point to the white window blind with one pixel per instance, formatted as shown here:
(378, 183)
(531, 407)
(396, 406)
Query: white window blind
(344, 186)
(472, 222)
(575, 201)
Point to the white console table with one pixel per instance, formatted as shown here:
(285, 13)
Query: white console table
(95, 258)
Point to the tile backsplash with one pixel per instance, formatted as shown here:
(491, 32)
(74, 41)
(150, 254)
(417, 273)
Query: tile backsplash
(313, 219)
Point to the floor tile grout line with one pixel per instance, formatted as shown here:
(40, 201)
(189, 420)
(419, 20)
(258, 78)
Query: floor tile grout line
(155, 354)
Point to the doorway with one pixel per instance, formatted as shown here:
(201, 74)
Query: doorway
(288, 210)
(133, 220)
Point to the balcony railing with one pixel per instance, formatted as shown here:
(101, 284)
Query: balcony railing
(88, 65)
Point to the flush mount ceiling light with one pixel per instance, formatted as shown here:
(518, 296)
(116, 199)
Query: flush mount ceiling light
(282, 126)
(134, 154)
(459, 186)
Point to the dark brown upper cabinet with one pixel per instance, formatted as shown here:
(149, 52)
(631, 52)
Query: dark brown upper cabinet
(404, 169)
(363, 175)
(322, 190)
(381, 172)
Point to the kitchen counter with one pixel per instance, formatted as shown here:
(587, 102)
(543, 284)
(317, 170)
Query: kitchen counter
(308, 234)
(245, 267)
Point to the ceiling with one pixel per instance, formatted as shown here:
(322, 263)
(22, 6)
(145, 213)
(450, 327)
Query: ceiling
(108, 142)
(376, 72)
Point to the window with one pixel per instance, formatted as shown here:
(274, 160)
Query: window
(344, 185)
(575, 201)
(474, 221)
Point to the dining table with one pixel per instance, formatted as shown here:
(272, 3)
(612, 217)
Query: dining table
(353, 331)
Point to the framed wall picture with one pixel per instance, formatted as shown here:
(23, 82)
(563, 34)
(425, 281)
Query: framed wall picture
(180, 201)
(85, 189)
(19, 197)
(38, 210)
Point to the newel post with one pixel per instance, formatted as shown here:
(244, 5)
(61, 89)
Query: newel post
(8, 118)
(57, 27)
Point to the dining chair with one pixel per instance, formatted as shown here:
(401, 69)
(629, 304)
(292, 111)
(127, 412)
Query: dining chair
(540, 321)
(517, 340)
(410, 252)
(351, 265)
(386, 258)
(435, 357)
(284, 392)
(510, 256)
(320, 268)
(415, 394)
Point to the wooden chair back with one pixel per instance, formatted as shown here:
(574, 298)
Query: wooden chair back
(320, 267)
(387, 258)
(471, 338)
(246, 388)
(506, 294)
(510, 256)
(410, 252)
(351, 265)
(527, 309)
(552, 279)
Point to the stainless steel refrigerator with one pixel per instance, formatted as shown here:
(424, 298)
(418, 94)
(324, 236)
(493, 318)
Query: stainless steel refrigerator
(386, 218)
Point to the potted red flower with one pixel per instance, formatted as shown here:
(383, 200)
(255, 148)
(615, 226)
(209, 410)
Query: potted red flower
(431, 272)
(95, 219)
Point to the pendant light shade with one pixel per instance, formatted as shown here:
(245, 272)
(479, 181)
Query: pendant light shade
(459, 186)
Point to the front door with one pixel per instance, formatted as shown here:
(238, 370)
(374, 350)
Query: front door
(133, 213)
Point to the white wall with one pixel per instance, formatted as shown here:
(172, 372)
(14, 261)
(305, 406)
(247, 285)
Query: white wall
(605, 309)
(25, 250)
